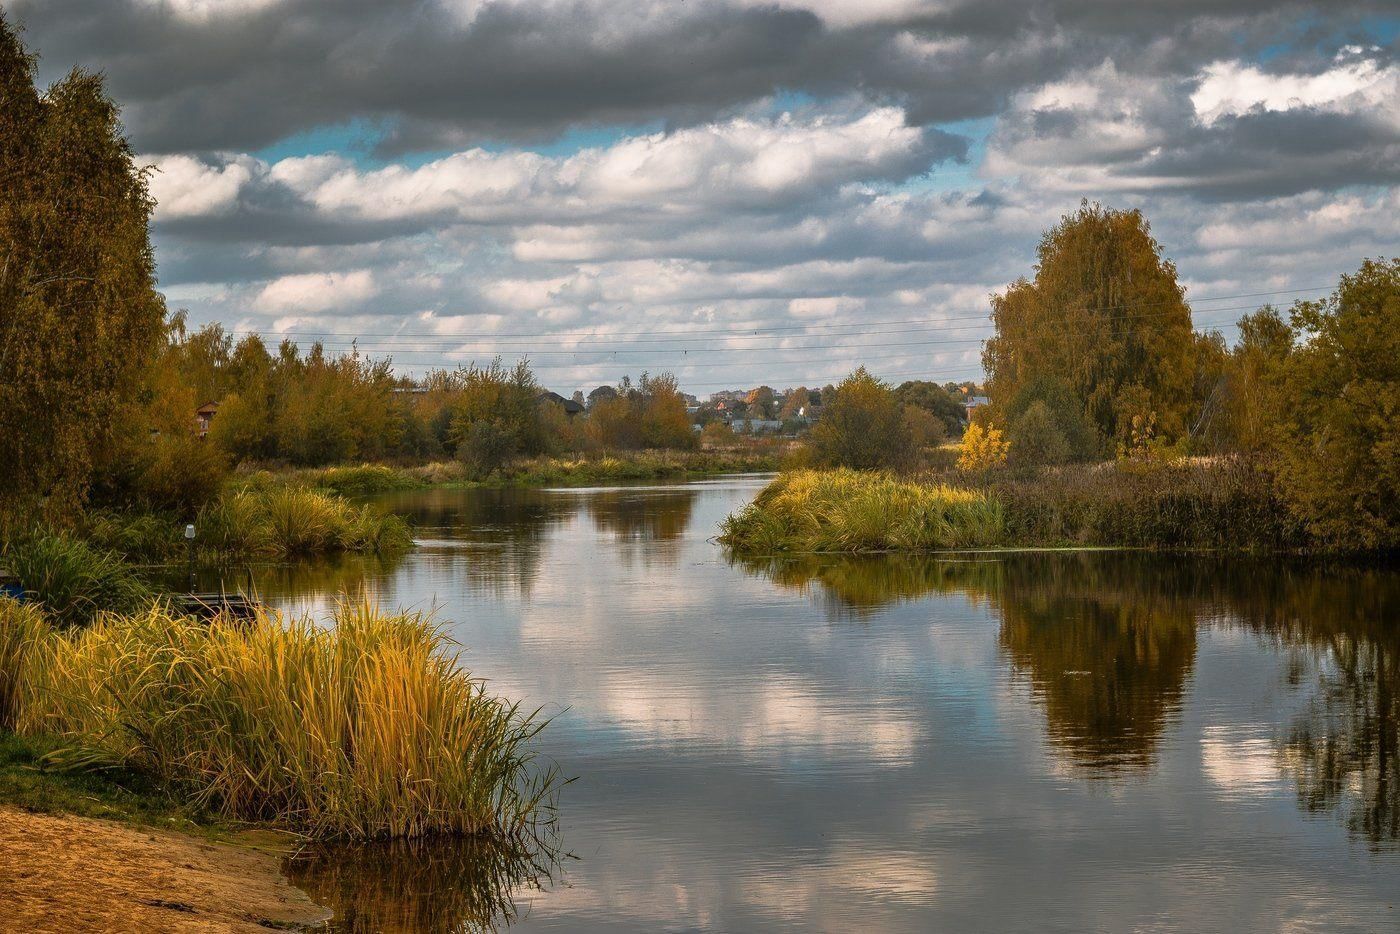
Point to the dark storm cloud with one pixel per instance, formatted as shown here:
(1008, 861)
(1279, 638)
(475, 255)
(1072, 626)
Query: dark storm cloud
(242, 80)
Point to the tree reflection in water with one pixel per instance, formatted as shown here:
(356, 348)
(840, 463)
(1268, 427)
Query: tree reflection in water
(1108, 642)
(433, 886)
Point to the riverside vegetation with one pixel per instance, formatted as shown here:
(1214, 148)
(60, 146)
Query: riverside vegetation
(1112, 423)
(365, 729)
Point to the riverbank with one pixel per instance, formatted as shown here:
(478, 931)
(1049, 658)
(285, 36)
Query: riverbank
(68, 873)
(1224, 505)
(572, 470)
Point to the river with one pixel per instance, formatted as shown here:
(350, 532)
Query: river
(1035, 742)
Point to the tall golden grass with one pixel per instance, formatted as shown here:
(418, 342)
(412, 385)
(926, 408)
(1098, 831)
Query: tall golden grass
(850, 511)
(364, 728)
(289, 521)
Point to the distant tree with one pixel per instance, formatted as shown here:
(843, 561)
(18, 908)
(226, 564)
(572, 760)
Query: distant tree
(1339, 442)
(1036, 437)
(761, 402)
(1251, 404)
(863, 427)
(797, 401)
(1104, 315)
(934, 399)
(665, 423)
(496, 416)
(650, 414)
(578, 396)
(80, 318)
(1077, 437)
(599, 394)
(926, 429)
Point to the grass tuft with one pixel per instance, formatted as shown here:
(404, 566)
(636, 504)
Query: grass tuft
(849, 511)
(365, 729)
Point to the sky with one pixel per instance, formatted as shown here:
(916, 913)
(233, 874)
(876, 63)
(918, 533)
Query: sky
(736, 191)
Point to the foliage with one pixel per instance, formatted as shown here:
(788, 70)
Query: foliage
(495, 416)
(935, 400)
(1065, 413)
(365, 729)
(849, 511)
(71, 580)
(925, 429)
(649, 415)
(1036, 438)
(80, 318)
(863, 427)
(1252, 389)
(1339, 455)
(1105, 316)
(1228, 503)
(982, 449)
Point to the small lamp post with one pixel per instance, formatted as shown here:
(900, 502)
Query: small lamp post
(189, 541)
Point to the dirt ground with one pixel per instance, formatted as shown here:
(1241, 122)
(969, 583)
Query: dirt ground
(72, 874)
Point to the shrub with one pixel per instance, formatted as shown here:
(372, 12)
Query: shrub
(365, 729)
(982, 449)
(1036, 439)
(72, 580)
(863, 427)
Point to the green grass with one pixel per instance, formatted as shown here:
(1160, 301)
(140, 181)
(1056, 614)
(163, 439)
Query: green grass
(293, 521)
(29, 780)
(365, 729)
(72, 579)
(852, 512)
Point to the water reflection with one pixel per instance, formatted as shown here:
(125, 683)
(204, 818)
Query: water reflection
(1037, 742)
(441, 886)
(1107, 643)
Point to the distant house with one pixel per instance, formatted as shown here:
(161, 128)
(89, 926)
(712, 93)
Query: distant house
(203, 416)
(974, 402)
(570, 407)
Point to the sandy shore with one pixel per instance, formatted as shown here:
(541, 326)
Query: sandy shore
(70, 874)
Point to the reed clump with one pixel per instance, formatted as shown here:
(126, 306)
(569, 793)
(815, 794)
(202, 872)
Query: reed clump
(72, 579)
(292, 521)
(850, 511)
(366, 728)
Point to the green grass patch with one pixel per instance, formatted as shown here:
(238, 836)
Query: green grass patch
(851, 512)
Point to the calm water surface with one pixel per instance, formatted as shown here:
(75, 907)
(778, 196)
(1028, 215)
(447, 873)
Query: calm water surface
(1070, 742)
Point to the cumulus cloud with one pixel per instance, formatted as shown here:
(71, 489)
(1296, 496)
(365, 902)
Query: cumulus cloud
(785, 177)
(312, 292)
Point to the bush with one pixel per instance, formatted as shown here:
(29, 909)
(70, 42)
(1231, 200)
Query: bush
(73, 581)
(863, 427)
(982, 449)
(365, 729)
(1036, 439)
(849, 511)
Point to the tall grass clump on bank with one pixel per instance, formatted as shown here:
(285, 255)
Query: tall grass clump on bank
(364, 729)
(290, 521)
(72, 580)
(850, 511)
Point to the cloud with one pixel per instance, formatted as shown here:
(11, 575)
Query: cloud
(433, 74)
(312, 292)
